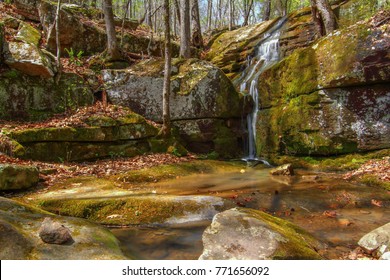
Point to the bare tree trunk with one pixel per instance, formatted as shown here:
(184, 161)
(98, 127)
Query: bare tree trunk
(58, 43)
(230, 9)
(166, 128)
(209, 14)
(197, 39)
(247, 13)
(113, 52)
(328, 17)
(185, 29)
(267, 10)
(317, 19)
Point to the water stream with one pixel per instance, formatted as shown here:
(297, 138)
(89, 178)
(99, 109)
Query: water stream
(266, 55)
(306, 200)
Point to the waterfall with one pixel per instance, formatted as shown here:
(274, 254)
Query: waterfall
(266, 55)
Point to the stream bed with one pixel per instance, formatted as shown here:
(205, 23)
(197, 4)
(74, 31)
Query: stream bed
(333, 210)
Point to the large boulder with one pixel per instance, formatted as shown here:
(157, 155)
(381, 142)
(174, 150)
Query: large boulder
(25, 55)
(77, 32)
(17, 177)
(247, 234)
(330, 98)
(24, 97)
(204, 105)
(19, 227)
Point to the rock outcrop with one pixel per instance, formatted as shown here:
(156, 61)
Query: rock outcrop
(247, 234)
(17, 177)
(27, 8)
(98, 137)
(204, 105)
(24, 97)
(19, 227)
(75, 34)
(330, 98)
(230, 50)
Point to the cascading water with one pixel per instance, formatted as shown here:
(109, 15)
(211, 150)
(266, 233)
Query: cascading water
(267, 54)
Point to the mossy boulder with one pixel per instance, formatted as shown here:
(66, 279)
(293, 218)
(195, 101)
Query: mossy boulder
(99, 138)
(17, 177)
(20, 223)
(202, 100)
(330, 98)
(35, 98)
(199, 90)
(25, 55)
(75, 33)
(247, 234)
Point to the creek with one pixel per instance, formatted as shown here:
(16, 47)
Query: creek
(331, 209)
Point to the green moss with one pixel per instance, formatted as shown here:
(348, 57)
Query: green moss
(122, 211)
(334, 163)
(373, 181)
(300, 244)
(28, 34)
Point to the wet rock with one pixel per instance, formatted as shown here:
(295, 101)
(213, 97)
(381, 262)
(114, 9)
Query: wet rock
(247, 234)
(54, 233)
(18, 177)
(20, 223)
(14, 245)
(286, 170)
(377, 241)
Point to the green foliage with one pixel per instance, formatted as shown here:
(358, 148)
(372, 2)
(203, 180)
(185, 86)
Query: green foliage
(75, 58)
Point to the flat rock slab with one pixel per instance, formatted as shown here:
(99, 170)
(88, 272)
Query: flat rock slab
(18, 177)
(247, 234)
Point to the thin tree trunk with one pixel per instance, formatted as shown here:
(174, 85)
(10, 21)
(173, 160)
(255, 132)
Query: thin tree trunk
(209, 14)
(197, 39)
(267, 10)
(58, 43)
(230, 9)
(113, 52)
(185, 29)
(247, 13)
(166, 129)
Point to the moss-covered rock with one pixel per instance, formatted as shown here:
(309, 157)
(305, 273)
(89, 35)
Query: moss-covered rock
(202, 101)
(75, 34)
(20, 223)
(17, 177)
(25, 55)
(35, 98)
(108, 137)
(330, 98)
(100, 201)
(247, 234)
